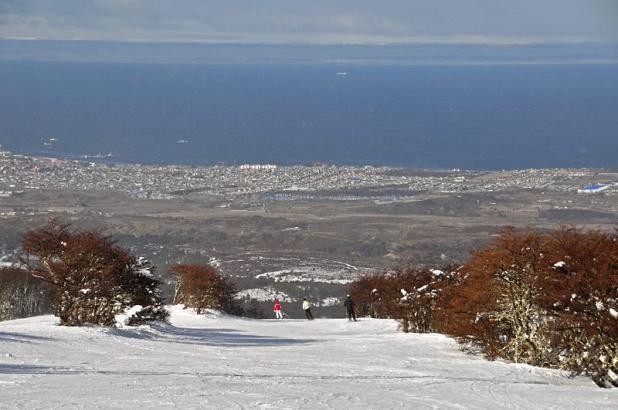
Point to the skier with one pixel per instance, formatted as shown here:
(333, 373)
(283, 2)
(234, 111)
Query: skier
(277, 309)
(307, 309)
(349, 305)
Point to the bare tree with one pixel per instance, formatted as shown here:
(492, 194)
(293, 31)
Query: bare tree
(22, 295)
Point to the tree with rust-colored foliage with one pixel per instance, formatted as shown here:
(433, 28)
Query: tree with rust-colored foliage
(374, 295)
(408, 294)
(547, 299)
(203, 287)
(580, 296)
(92, 279)
(543, 298)
(495, 305)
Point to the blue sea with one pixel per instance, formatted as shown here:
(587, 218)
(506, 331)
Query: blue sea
(436, 117)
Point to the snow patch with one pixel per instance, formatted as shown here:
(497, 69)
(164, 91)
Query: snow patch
(331, 301)
(305, 274)
(267, 294)
(145, 272)
(437, 272)
(123, 319)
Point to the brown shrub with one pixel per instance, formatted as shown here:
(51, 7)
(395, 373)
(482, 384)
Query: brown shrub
(580, 295)
(546, 299)
(494, 305)
(410, 295)
(203, 287)
(92, 278)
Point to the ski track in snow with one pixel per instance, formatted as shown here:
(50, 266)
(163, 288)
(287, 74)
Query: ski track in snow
(218, 361)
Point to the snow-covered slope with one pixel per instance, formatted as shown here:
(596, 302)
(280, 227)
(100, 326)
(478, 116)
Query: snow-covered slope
(217, 361)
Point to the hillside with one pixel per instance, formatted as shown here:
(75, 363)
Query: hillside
(218, 361)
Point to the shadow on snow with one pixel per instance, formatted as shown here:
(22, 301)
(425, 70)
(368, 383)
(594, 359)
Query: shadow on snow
(165, 332)
(16, 369)
(20, 338)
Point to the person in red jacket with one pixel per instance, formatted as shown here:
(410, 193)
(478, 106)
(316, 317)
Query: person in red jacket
(277, 309)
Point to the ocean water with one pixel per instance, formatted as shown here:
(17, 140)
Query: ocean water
(440, 117)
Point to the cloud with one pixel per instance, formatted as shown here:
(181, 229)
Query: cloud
(334, 21)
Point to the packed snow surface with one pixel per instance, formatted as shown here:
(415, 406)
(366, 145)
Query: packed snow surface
(217, 361)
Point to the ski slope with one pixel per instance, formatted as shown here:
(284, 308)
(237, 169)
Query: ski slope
(217, 361)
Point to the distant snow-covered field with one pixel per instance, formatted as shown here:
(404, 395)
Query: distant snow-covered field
(267, 294)
(218, 361)
(293, 269)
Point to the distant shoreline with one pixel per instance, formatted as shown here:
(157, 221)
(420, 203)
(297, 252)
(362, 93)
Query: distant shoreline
(101, 159)
(284, 183)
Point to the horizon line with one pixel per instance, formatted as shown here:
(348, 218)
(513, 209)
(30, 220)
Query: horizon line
(463, 41)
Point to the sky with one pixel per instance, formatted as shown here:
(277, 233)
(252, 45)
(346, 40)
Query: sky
(313, 21)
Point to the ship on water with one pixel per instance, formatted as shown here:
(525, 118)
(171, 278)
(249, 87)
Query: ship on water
(50, 142)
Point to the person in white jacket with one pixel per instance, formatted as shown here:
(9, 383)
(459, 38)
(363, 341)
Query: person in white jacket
(307, 309)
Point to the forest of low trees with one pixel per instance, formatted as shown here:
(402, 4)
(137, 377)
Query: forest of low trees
(85, 278)
(547, 299)
(22, 294)
(542, 298)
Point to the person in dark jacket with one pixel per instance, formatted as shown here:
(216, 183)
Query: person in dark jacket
(349, 305)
